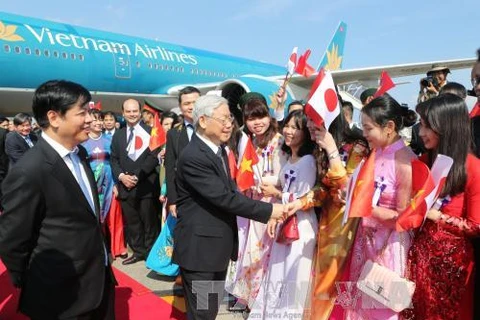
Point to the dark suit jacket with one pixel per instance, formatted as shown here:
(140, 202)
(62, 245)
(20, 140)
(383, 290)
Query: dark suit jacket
(3, 156)
(177, 140)
(206, 234)
(144, 167)
(50, 240)
(16, 146)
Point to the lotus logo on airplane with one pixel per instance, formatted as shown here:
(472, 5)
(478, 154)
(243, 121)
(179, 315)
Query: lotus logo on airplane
(7, 33)
(334, 60)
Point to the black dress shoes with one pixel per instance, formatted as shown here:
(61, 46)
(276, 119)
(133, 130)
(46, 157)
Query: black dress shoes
(131, 260)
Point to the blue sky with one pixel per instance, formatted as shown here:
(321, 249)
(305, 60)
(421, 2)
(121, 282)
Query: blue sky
(379, 32)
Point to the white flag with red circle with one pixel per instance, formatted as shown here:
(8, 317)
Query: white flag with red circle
(292, 61)
(323, 105)
(139, 143)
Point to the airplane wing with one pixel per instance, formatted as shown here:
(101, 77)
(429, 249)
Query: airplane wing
(395, 71)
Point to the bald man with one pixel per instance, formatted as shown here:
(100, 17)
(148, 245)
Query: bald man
(134, 168)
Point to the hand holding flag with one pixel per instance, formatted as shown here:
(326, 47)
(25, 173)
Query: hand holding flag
(426, 186)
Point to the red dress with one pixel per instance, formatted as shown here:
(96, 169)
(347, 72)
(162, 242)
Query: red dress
(441, 259)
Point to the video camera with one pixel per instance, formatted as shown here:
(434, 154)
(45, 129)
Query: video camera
(425, 82)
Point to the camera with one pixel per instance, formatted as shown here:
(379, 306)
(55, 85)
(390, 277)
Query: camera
(425, 82)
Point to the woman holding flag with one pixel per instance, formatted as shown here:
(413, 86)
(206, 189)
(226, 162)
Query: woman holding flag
(377, 239)
(441, 260)
(255, 251)
(284, 290)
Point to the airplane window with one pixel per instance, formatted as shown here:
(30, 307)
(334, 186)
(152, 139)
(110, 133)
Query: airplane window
(6, 48)
(150, 65)
(138, 64)
(81, 57)
(37, 52)
(177, 69)
(56, 54)
(181, 69)
(28, 51)
(72, 56)
(46, 53)
(64, 55)
(156, 66)
(166, 67)
(18, 50)
(160, 67)
(172, 68)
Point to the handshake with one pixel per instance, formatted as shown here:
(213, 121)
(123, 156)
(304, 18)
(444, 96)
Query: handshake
(280, 212)
(283, 211)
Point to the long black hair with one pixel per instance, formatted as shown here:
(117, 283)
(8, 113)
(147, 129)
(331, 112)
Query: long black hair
(300, 120)
(447, 116)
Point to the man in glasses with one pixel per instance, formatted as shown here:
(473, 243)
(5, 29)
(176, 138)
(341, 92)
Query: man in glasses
(206, 236)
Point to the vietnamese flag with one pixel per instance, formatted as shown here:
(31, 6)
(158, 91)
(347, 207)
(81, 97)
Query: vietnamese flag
(302, 67)
(422, 185)
(386, 84)
(323, 105)
(157, 135)
(360, 195)
(247, 160)
(426, 186)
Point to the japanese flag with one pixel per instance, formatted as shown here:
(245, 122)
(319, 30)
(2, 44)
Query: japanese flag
(323, 105)
(292, 62)
(139, 143)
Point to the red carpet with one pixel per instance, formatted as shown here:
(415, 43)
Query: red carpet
(133, 301)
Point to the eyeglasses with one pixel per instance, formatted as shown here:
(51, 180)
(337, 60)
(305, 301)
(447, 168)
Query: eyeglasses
(224, 121)
(475, 81)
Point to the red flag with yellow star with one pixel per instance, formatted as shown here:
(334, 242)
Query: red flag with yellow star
(245, 174)
(359, 203)
(157, 135)
(422, 185)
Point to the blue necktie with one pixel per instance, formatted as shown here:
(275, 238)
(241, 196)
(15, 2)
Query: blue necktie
(29, 141)
(130, 136)
(76, 166)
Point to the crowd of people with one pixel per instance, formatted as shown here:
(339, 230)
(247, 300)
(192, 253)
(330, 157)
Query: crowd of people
(79, 189)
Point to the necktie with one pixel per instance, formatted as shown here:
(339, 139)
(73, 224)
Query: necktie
(109, 133)
(130, 136)
(76, 167)
(220, 155)
(29, 141)
(190, 131)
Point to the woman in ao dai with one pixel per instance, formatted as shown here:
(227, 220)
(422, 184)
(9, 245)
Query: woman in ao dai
(376, 238)
(285, 286)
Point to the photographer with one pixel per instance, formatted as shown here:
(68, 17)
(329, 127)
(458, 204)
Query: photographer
(431, 85)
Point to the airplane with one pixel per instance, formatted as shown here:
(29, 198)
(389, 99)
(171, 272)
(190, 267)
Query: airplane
(115, 67)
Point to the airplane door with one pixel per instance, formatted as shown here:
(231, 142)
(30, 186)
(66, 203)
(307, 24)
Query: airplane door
(122, 65)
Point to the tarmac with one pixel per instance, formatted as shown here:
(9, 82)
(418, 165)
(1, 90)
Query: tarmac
(165, 287)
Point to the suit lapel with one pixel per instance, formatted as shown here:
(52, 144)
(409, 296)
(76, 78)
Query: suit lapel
(91, 180)
(62, 173)
(183, 140)
(214, 158)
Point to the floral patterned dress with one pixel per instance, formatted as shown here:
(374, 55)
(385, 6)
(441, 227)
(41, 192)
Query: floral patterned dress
(246, 274)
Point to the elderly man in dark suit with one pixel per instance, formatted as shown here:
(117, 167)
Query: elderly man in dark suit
(134, 168)
(21, 139)
(50, 234)
(206, 235)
